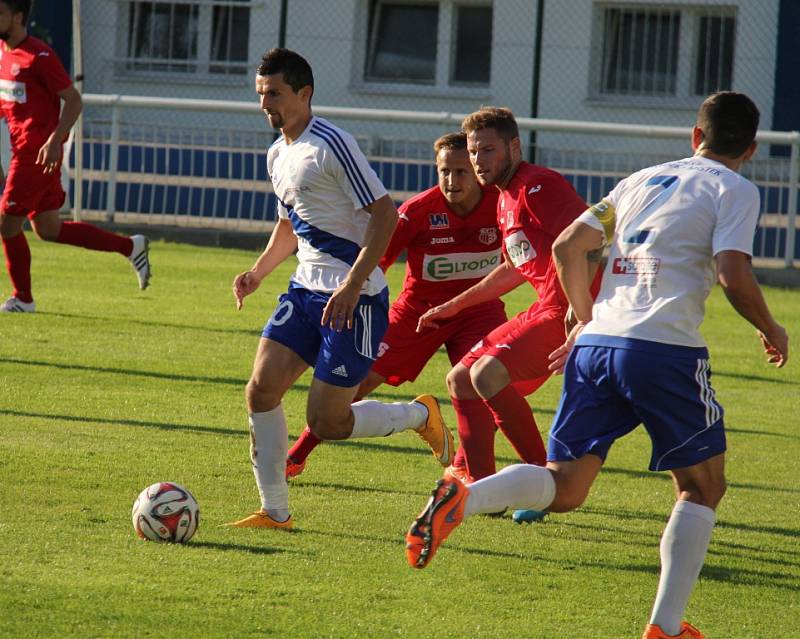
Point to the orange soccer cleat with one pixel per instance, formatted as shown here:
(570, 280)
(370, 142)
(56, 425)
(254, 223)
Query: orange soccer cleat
(435, 432)
(444, 511)
(293, 468)
(261, 519)
(688, 631)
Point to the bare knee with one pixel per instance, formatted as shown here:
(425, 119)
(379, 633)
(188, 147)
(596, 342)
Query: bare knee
(261, 397)
(572, 488)
(330, 427)
(489, 376)
(459, 384)
(709, 494)
(46, 233)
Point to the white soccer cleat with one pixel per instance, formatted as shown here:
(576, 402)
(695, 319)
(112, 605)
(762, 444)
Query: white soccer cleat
(14, 305)
(140, 258)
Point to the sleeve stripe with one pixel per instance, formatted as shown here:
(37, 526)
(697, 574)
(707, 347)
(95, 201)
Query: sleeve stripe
(345, 156)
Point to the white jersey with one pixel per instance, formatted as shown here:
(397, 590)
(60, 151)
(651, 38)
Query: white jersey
(664, 224)
(323, 182)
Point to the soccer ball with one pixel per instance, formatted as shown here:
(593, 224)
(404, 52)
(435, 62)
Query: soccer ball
(165, 512)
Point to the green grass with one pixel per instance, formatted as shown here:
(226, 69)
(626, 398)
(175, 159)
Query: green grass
(108, 389)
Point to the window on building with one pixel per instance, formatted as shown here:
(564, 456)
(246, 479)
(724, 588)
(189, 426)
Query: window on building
(665, 51)
(405, 42)
(472, 62)
(714, 54)
(402, 42)
(198, 36)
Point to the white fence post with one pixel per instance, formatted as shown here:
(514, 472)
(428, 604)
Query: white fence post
(113, 157)
(794, 187)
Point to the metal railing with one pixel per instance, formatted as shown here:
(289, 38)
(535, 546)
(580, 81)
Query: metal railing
(207, 177)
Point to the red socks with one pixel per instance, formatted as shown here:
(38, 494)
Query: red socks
(513, 416)
(18, 264)
(302, 448)
(94, 238)
(476, 435)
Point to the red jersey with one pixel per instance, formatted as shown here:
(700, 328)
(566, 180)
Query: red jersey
(535, 206)
(446, 253)
(31, 76)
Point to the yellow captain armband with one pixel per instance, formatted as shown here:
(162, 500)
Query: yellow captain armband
(606, 214)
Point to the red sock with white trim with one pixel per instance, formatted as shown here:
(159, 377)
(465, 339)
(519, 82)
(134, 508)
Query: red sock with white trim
(18, 264)
(94, 238)
(513, 416)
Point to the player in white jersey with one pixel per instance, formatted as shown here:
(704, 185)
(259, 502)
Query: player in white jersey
(636, 356)
(334, 210)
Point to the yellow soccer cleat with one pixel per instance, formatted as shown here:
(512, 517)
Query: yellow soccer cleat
(688, 631)
(435, 432)
(261, 519)
(458, 472)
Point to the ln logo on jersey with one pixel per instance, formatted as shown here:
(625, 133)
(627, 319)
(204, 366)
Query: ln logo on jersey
(519, 248)
(439, 221)
(487, 235)
(636, 265)
(11, 91)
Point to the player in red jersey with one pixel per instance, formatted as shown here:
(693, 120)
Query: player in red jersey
(33, 83)
(451, 235)
(488, 385)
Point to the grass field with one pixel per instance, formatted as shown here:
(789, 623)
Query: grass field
(108, 389)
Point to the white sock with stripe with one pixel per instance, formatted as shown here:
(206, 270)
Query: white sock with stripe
(376, 419)
(520, 486)
(683, 550)
(269, 445)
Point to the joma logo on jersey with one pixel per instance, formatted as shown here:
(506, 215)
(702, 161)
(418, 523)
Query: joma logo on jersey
(439, 221)
(459, 266)
(636, 265)
(13, 91)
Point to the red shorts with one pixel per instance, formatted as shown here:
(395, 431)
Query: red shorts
(522, 344)
(29, 191)
(403, 352)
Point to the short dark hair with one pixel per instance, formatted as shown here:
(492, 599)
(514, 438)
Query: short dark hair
(488, 117)
(729, 122)
(294, 67)
(451, 142)
(20, 6)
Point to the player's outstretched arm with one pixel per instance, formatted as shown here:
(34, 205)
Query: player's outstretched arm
(282, 243)
(338, 312)
(501, 280)
(735, 275)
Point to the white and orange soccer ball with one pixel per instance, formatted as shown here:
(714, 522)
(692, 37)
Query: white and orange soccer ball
(165, 511)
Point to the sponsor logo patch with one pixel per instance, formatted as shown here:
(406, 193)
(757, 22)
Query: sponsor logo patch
(439, 221)
(459, 266)
(11, 91)
(636, 265)
(443, 240)
(519, 248)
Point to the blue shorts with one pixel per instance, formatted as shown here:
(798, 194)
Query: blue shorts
(612, 384)
(339, 358)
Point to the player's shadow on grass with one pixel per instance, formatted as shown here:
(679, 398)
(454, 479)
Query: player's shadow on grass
(664, 476)
(253, 550)
(182, 327)
(358, 489)
(757, 378)
(128, 422)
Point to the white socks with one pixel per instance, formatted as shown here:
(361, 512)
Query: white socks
(518, 486)
(376, 419)
(683, 550)
(269, 445)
